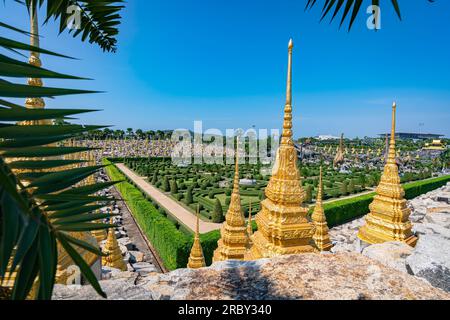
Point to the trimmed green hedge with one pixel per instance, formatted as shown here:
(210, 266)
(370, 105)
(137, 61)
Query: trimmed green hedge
(173, 246)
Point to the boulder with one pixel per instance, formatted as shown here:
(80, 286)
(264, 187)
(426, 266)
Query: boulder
(440, 218)
(305, 276)
(431, 229)
(136, 256)
(431, 261)
(392, 254)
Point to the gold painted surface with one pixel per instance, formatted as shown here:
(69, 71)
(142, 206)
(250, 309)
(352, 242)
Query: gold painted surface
(233, 242)
(321, 236)
(196, 257)
(388, 219)
(114, 257)
(283, 226)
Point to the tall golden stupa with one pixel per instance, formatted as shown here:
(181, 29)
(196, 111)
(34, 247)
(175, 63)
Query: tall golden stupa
(388, 216)
(283, 226)
(233, 242)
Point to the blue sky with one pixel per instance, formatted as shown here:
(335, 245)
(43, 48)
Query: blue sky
(224, 62)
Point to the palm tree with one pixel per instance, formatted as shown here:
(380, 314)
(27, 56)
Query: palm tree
(346, 6)
(41, 201)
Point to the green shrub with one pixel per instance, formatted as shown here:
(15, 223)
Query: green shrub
(173, 187)
(188, 198)
(308, 194)
(217, 215)
(165, 184)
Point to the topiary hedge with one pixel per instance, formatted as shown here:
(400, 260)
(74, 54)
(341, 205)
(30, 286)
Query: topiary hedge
(172, 245)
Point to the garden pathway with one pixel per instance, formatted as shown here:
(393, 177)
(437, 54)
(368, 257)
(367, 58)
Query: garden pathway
(182, 214)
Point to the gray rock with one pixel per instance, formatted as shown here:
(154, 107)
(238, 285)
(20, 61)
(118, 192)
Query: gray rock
(116, 289)
(431, 229)
(431, 261)
(439, 218)
(392, 254)
(136, 256)
(125, 241)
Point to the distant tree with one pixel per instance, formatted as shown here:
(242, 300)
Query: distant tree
(351, 186)
(308, 194)
(173, 187)
(155, 177)
(129, 132)
(362, 181)
(165, 184)
(188, 198)
(344, 190)
(140, 133)
(217, 215)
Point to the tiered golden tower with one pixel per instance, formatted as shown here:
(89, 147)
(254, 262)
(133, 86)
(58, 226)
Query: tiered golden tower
(114, 257)
(388, 216)
(196, 258)
(233, 242)
(321, 236)
(283, 226)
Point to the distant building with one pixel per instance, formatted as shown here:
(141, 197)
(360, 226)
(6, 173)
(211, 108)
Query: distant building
(327, 137)
(415, 136)
(435, 145)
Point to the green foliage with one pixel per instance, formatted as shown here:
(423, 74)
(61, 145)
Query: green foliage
(217, 215)
(36, 216)
(173, 187)
(308, 194)
(188, 198)
(154, 178)
(344, 188)
(165, 184)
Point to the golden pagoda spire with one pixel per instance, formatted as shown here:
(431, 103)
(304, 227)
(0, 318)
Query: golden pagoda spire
(196, 258)
(34, 60)
(283, 227)
(234, 239)
(388, 216)
(321, 236)
(114, 257)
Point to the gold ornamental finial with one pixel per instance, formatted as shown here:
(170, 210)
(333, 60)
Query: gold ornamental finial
(321, 236)
(286, 136)
(391, 155)
(196, 258)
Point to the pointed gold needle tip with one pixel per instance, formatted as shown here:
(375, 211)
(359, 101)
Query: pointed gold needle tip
(291, 44)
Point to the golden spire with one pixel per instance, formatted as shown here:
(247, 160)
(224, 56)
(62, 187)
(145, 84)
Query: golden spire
(196, 258)
(34, 60)
(114, 257)
(283, 226)
(321, 236)
(286, 136)
(388, 219)
(234, 239)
